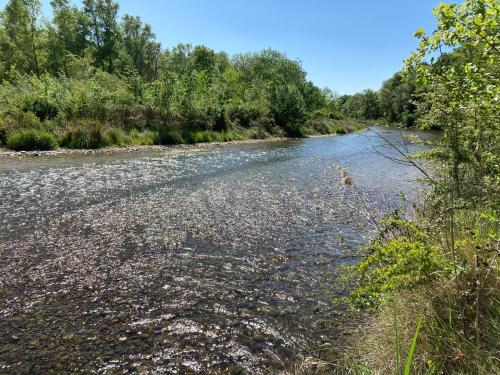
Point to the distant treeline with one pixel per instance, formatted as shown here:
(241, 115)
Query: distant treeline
(88, 79)
(395, 103)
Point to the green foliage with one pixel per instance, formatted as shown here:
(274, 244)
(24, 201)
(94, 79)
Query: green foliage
(363, 105)
(20, 37)
(444, 267)
(288, 109)
(411, 352)
(146, 137)
(462, 88)
(85, 135)
(403, 258)
(169, 136)
(397, 100)
(115, 136)
(84, 64)
(31, 140)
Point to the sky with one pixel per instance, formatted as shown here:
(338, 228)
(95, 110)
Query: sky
(347, 45)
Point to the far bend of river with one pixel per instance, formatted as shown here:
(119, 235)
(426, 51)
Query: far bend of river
(184, 260)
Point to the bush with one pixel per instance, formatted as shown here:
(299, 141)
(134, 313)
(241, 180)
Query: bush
(319, 126)
(413, 274)
(116, 136)
(146, 137)
(294, 130)
(402, 258)
(28, 120)
(340, 130)
(169, 136)
(257, 133)
(42, 109)
(196, 136)
(85, 136)
(31, 140)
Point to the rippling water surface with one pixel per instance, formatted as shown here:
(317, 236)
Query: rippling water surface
(186, 259)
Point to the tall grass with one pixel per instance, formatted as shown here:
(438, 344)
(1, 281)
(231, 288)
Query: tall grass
(411, 352)
(86, 136)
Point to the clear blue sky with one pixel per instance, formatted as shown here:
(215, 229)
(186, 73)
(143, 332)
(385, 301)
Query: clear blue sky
(347, 45)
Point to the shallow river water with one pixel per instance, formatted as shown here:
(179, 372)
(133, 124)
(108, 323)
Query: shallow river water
(181, 260)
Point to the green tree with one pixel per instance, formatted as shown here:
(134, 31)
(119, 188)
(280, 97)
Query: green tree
(21, 36)
(364, 105)
(462, 91)
(397, 100)
(140, 44)
(67, 34)
(104, 33)
(288, 108)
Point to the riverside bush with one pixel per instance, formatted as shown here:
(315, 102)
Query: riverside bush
(90, 136)
(169, 136)
(31, 140)
(116, 137)
(402, 258)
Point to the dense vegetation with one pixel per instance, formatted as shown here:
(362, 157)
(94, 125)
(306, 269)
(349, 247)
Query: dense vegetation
(433, 283)
(395, 103)
(86, 80)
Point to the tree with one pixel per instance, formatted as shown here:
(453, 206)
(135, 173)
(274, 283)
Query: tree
(363, 105)
(67, 34)
(397, 97)
(462, 91)
(21, 35)
(140, 44)
(288, 109)
(104, 33)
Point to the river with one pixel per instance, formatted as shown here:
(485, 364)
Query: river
(184, 260)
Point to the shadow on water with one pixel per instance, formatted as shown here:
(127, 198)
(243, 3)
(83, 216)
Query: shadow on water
(184, 260)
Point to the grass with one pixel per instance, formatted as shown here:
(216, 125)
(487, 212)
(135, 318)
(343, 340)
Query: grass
(85, 134)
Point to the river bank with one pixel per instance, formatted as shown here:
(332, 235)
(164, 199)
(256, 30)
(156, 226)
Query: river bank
(341, 128)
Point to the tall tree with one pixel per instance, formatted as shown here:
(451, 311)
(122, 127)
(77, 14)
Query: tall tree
(22, 35)
(140, 44)
(67, 34)
(397, 100)
(104, 31)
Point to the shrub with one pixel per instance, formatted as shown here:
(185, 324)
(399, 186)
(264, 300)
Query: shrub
(42, 109)
(319, 126)
(30, 140)
(192, 137)
(257, 133)
(402, 258)
(146, 137)
(206, 137)
(294, 130)
(340, 130)
(169, 136)
(116, 136)
(85, 136)
(29, 120)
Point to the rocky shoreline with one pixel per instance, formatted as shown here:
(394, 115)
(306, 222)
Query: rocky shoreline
(115, 149)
